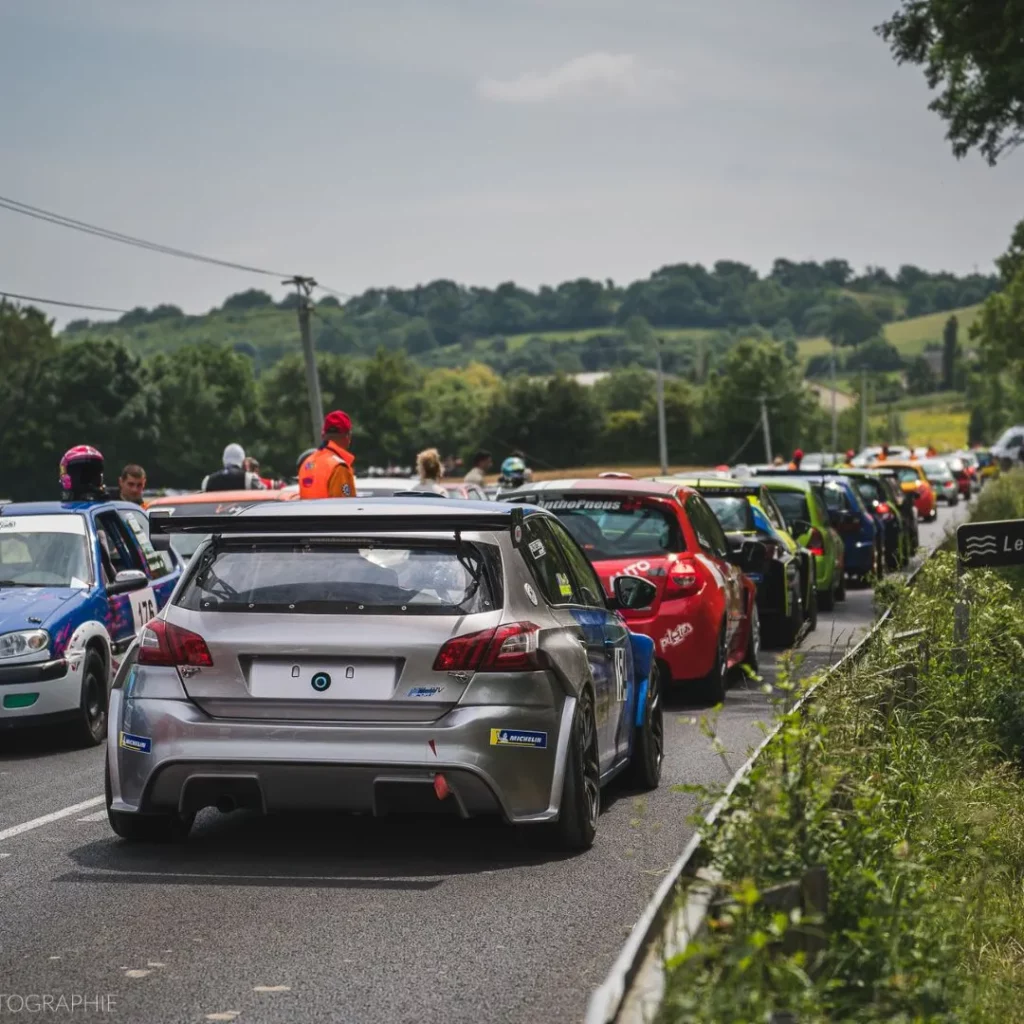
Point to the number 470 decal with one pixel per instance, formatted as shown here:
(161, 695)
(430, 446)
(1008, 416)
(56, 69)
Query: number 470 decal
(620, 673)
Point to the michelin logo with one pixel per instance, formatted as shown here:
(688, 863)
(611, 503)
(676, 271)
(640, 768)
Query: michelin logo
(143, 744)
(518, 738)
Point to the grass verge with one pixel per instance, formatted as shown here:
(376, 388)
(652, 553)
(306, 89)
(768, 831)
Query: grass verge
(904, 785)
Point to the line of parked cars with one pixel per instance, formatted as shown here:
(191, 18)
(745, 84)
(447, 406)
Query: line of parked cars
(395, 653)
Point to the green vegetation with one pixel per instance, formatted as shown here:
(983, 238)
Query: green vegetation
(902, 780)
(574, 327)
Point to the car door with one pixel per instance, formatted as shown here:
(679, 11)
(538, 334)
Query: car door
(161, 567)
(568, 605)
(589, 594)
(126, 613)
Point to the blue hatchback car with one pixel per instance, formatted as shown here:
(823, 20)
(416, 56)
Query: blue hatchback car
(863, 540)
(77, 582)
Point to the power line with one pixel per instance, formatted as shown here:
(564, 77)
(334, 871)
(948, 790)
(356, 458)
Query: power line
(60, 302)
(14, 206)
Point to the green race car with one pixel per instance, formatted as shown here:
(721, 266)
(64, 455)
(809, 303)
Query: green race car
(807, 519)
(787, 594)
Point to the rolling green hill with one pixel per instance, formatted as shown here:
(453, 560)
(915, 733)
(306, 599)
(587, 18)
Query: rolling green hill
(909, 336)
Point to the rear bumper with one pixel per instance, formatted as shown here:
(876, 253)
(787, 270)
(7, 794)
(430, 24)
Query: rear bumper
(860, 556)
(175, 756)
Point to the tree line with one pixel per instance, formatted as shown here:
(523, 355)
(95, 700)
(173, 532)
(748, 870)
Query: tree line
(175, 412)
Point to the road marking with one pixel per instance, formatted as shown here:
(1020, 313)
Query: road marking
(98, 816)
(28, 826)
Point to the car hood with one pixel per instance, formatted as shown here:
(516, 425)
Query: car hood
(34, 607)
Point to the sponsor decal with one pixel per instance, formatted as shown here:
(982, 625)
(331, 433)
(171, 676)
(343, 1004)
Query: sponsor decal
(675, 636)
(530, 593)
(564, 586)
(537, 548)
(425, 691)
(568, 504)
(620, 674)
(518, 738)
(142, 744)
(636, 568)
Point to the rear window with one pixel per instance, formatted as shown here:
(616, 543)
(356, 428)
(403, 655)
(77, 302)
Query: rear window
(937, 471)
(617, 527)
(327, 577)
(793, 505)
(186, 544)
(871, 490)
(836, 497)
(732, 513)
(906, 475)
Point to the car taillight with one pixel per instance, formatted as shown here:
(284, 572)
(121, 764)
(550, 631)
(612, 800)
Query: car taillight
(509, 648)
(883, 508)
(163, 643)
(816, 543)
(682, 580)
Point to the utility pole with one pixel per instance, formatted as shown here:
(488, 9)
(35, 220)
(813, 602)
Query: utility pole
(835, 422)
(303, 286)
(863, 409)
(662, 432)
(767, 433)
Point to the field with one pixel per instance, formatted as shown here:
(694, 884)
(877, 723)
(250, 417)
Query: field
(909, 336)
(945, 428)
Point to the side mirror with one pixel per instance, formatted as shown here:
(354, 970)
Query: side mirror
(127, 581)
(633, 592)
(751, 558)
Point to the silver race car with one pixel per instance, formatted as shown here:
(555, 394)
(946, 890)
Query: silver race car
(384, 655)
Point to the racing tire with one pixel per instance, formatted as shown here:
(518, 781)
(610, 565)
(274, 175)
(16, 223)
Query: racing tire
(576, 826)
(644, 772)
(812, 611)
(753, 651)
(712, 686)
(841, 588)
(788, 628)
(168, 827)
(90, 728)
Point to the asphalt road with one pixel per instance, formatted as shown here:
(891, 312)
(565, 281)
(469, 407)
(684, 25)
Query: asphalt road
(350, 919)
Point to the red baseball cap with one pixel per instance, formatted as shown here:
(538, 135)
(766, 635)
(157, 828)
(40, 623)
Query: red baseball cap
(337, 422)
(798, 454)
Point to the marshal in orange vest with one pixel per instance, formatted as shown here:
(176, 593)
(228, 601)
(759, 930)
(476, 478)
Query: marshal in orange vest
(327, 473)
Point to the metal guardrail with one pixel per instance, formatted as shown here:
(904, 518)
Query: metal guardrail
(634, 987)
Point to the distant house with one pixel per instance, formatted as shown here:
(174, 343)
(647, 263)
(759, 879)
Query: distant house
(824, 395)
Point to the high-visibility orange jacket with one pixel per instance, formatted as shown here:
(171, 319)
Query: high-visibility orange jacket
(327, 473)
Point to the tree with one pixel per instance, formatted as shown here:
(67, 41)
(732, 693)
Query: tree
(950, 352)
(875, 354)
(973, 52)
(852, 324)
(920, 379)
(250, 299)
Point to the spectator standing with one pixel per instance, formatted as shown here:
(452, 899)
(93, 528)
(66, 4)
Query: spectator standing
(131, 483)
(233, 477)
(482, 463)
(430, 471)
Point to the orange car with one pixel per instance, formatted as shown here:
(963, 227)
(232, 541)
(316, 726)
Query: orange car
(913, 481)
(209, 503)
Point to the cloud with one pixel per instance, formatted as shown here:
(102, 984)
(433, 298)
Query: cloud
(617, 74)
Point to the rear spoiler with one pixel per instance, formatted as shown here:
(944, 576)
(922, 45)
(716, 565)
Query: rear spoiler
(717, 491)
(455, 522)
(782, 471)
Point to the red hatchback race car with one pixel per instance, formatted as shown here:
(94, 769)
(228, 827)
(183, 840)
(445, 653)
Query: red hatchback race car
(704, 619)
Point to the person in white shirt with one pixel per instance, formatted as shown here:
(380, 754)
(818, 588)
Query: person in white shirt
(482, 462)
(430, 470)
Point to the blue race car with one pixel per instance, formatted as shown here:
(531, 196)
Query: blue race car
(77, 582)
(863, 537)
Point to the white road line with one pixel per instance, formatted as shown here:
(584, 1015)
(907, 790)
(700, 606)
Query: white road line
(100, 815)
(28, 826)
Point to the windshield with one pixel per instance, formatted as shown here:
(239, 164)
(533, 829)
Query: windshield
(937, 471)
(618, 527)
(334, 578)
(733, 513)
(793, 505)
(44, 551)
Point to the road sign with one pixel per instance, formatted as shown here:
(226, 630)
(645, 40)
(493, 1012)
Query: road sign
(987, 545)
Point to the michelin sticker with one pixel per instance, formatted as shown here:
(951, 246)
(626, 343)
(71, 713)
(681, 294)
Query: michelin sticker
(518, 738)
(142, 744)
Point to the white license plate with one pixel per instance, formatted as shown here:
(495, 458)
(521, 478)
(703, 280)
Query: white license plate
(328, 679)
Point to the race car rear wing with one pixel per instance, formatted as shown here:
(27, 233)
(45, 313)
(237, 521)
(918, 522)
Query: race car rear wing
(717, 491)
(357, 523)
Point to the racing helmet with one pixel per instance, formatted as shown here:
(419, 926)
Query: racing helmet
(81, 474)
(513, 470)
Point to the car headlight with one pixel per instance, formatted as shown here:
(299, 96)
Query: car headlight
(24, 641)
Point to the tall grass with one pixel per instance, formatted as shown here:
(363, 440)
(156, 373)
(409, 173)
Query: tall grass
(905, 784)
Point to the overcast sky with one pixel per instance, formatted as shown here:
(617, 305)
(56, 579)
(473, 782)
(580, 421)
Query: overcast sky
(390, 142)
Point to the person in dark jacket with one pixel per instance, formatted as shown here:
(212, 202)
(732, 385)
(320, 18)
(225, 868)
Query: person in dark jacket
(233, 477)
